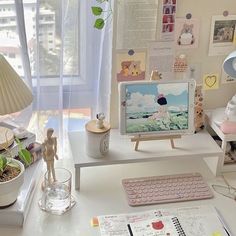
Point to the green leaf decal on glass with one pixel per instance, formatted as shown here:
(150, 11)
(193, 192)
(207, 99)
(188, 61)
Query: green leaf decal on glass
(99, 23)
(97, 11)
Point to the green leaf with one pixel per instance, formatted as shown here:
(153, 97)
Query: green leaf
(99, 23)
(13, 164)
(25, 156)
(3, 163)
(97, 11)
(20, 145)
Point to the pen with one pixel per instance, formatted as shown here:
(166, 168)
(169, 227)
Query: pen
(130, 231)
(223, 222)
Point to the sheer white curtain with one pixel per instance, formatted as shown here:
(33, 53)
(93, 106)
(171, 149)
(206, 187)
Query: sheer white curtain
(66, 61)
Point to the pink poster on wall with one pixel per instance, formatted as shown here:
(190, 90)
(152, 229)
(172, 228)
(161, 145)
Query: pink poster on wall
(168, 19)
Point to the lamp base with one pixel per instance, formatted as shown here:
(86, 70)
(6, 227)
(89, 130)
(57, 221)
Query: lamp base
(6, 137)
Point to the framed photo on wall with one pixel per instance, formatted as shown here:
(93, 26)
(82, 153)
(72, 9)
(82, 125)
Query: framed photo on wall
(222, 37)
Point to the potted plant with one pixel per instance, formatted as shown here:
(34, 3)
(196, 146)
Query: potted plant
(12, 174)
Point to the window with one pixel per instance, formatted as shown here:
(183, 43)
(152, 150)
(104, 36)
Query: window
(47, 55)
(48, 18)
(3, 21)
(50, 51)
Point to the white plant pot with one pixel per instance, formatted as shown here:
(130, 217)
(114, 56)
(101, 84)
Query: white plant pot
(9, 190)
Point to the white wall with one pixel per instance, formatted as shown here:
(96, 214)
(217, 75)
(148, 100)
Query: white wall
(203, 10)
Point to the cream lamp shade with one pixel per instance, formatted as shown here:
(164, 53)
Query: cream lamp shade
(14, 93)
(229, 65)
(14, 96)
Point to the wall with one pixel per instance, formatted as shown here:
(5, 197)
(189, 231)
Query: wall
(203, 10)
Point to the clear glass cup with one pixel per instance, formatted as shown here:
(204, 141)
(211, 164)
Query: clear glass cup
(57, 197)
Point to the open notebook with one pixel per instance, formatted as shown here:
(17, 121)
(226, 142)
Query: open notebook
(186, 221)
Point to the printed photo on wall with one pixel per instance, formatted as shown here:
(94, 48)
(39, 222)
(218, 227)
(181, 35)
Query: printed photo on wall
(130, 64)
(222, 35)
(186, 33)
(168, 19)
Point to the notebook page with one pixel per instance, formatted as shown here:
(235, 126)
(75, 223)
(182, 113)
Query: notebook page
(117, 224)
(161, 226)
(198, 220)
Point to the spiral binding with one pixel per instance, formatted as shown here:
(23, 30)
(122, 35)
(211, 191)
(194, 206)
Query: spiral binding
(178, 226)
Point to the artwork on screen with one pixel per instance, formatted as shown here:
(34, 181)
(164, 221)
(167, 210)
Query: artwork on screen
(155, 107)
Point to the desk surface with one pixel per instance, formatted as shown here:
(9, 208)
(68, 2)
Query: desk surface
(102, 193)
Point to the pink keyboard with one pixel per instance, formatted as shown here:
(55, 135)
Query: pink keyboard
(167, 188)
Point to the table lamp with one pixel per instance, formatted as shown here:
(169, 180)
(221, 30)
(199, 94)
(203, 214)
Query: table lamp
(14, 96)
(229, 64)
(227, 122)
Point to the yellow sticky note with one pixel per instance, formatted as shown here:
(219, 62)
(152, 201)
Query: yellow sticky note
(210, 81)
(217, 234)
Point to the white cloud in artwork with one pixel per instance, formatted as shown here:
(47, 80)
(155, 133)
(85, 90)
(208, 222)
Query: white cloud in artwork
(141, 103)
(173, 89)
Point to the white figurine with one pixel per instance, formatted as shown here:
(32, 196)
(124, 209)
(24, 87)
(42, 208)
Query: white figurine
(100, 119)
(49, 153)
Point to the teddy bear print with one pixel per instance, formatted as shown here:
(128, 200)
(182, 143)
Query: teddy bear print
(125, 68)
(134, 68)
(186, 35)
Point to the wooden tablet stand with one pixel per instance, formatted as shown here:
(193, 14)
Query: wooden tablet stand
(140, 137)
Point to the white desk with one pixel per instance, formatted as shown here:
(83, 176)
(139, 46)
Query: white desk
(121, 151)
(102, 193)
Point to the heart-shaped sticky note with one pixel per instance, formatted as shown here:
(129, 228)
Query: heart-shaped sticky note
(210, 80)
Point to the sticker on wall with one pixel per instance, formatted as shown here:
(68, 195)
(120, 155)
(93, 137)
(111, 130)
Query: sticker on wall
(222, 35)
(168, 19)
(186, 33)
(210, 81)
(180, 64)
(130, 64)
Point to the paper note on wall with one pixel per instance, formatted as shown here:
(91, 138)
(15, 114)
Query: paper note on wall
(136, 23)
(161, 58)
(210, 81)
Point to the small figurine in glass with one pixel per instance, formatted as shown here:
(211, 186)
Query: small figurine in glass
(50, 153)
